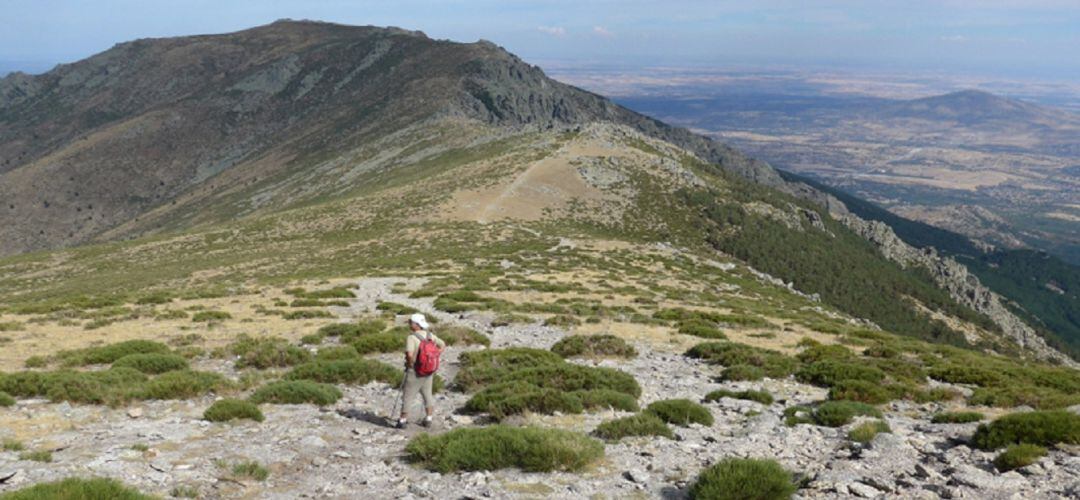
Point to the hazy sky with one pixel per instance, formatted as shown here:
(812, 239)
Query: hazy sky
(1007, 37)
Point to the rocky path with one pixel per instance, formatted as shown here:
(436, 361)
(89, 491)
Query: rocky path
(348, 451)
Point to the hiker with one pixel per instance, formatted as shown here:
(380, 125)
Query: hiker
(422, 350)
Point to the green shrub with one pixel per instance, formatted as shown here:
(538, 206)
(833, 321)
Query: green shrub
(593, 346)
(388, 341)
(338, 292)
(569, 377)
(562, 321)
(307, 314)
(772, 364)
(513, 398)
(153, 299)
(865, 432)
(861, 391)
(183, 384)
(395, 308)
(838, 413)
(1018, 455)
(1044, 428)
(681, 412)
(957, 417)
(459, 335)
(738, 373)
(347, 371)
(479, 368)
(153, 363)
(312, 339)
(820, 351)
(43, 456)
(11, 445)
(267, 352)
(828, 372)
(338, 352)
(77, 489)
(881, 351)
(510, 319)
(230, 409)
(1042, 398)
(210, 316)
(742, 479)
(6, 399)
(498, 447)
(965, 373)
(294, 392)
(700, 328)
(110, 353)
(642, 424)
(250, 470)
(349, 331)
(36, 362)
(605, 398)
(936, 394)
(762, 397)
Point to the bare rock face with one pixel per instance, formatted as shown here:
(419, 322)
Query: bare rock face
(962, 285)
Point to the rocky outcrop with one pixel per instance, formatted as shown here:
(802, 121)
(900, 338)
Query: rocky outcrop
(962, 285)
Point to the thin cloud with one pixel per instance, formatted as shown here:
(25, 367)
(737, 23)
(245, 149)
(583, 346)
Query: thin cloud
(602, 31)
(552, 30)
(954, 38)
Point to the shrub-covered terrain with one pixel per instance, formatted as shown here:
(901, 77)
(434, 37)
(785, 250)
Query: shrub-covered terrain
(1044, 428)
(1018, 455)
(762, 397)
(641, 424)
(77, 489)
(224, 410)
(294, 392)
(741, 478)
(593, 346)
(680, 412)
(495, 447)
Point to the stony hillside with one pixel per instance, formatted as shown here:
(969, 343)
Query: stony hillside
(632, 311)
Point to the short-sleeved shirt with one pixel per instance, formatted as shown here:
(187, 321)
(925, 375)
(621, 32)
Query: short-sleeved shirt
(412, 342)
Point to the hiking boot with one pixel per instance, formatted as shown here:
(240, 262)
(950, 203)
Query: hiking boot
(401, 424)
(426, 422)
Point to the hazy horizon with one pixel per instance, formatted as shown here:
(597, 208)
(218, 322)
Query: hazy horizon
(1006, 38)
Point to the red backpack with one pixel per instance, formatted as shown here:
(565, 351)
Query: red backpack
(427, 357)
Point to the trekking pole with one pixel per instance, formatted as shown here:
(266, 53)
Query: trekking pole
(394, 413)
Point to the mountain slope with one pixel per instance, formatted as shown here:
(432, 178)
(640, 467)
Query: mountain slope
(317, 134)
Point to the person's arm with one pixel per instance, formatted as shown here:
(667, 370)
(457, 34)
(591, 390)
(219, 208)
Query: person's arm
(439, 342)
(410, 353)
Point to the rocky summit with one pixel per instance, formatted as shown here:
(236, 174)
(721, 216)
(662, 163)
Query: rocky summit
(214, 244)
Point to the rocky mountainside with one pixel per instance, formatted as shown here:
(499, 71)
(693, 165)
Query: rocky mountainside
(165, 125)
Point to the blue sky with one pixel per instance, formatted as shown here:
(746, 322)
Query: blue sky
(1007, 37)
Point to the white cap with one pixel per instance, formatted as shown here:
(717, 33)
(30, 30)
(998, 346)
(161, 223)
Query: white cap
(420, 320)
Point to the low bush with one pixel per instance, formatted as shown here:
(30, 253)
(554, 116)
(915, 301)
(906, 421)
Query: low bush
(593, 346)
(109, 353)
(680, 412)
(642, 424)
(267, 352)
(307, 314)
(312, 339)
(460, 335)
(700, 328)
(337, 352)
(11, 445)
(36, 362)
(861, 391)
(294, 392)
(183, 384)
(498, 447)
(936, 394)
(250, 470)
(828, 372)
(865, 432)
(881, 351)
(1018, 455)
(605, 398)
(389, 341)
(224, 410)
(43, 456)
(338, 292)
(514, 398)
(772, 364)
(838, 413)
(965, 373)
(762, 397)
(77, 489)
(562, 321)
(820, 351)
(743, 478)
(957, 417)
(738, 373)
(347, 371)
(152, 363)
(1043, 398)
(395, 308)
(6, 399)
(1044, 428)
(210, 316)
(350, 331)
(569, 377)
(510, 319)
(479, 368)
